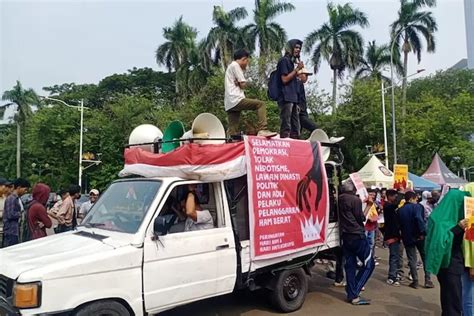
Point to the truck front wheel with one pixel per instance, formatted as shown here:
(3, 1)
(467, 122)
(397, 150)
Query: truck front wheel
(290, 290)
(103, 308)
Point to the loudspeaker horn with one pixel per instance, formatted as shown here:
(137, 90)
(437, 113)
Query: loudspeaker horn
(206, 125)
(174, 131)
(145, 133)
(318, 135)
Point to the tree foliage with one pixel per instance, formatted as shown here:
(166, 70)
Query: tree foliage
(440, 119)
(225, 37)
(407, 31)
(264, 31)
(336, 42)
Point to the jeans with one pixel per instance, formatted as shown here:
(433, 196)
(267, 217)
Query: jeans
(339, 264)
(401, 250)
(467, 294)
(354, 249)
(306, 122)
(10, 240)
(289, 119)
(233, 114)
(412, 259)
(450, 292)
(393, 261)
(371, 239)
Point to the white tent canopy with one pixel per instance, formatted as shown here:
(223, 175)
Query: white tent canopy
(374, 173)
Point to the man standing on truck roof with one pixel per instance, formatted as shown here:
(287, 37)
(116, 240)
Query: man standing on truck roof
(354, 243)
(235, 100)
(288, 100)
(305, 121)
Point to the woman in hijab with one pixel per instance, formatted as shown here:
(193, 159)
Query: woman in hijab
(444, 256)
(468, 275)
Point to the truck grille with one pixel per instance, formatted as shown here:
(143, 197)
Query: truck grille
(6, 287)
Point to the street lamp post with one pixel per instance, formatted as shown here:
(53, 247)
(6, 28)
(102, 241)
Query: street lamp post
(80, 141)
(81, 109)
(384, 116)
(384, 126)
(394, 130)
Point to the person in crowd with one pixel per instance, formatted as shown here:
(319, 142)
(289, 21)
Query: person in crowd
(468, 275)
(86, 206)
(339, 273)
(305, 121)
(37, 218)
(288, 100)
(444, 256)
(53, 211)
(198, 219)
(435, 197)
(426, 199)
(413, 231)
(12, 212)
(354, 243)
(392, 236)
(4, 192)
(66, 215)
(234, 97)
(371, 224)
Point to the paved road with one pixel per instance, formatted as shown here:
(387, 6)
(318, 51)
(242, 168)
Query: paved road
(324, 299)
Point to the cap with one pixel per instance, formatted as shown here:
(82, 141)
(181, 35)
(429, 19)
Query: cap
(304, 71)
(4, 181)
(94, 191)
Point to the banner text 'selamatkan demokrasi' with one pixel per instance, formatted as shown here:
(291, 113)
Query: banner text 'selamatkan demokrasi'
(288, 196)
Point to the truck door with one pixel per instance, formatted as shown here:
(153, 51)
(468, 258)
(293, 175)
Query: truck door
(186, 266)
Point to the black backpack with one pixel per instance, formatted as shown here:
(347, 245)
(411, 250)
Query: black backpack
(274, 86)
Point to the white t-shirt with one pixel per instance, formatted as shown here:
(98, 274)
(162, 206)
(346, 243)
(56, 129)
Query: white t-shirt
(233, 93)
(203, 221)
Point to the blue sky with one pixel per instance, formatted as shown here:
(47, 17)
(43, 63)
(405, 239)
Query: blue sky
(43, 43)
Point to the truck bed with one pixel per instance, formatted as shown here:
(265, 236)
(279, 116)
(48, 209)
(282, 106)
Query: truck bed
(249, 265)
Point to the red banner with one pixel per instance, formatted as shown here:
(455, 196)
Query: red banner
(288, 196)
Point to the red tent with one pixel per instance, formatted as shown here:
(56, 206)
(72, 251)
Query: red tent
(440, 174)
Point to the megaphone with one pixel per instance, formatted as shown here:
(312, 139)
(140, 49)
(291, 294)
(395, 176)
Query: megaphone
(206, 125)
(145, 133)
(174, 131)
(318, 135)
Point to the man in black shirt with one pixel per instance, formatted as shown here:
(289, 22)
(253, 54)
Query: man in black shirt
(354, 243)
(392, 236)
(288, 100)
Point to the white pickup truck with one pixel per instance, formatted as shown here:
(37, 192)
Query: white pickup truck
(131, 256)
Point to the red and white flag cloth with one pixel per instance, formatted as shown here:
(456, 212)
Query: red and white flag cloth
(192, 161)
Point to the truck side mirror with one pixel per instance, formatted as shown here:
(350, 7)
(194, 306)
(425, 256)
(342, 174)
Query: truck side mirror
(162, 224)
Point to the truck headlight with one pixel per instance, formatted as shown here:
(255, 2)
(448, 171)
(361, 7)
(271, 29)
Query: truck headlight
(27, 295)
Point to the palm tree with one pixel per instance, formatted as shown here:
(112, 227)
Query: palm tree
(375, 59)
(176, 50)
(270, 36)
(225, 37)
(337, 43)
(199, 67)
(406, 32)
(23, 99)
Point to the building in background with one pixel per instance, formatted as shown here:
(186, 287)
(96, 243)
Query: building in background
(469, 16)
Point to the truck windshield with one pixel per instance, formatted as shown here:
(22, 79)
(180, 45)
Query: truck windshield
(123, 206)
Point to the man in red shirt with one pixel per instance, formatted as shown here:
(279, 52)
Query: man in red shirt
(371, 224)
(38, 219)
